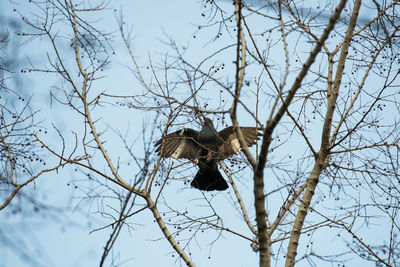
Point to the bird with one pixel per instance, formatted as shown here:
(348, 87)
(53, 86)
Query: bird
(206, 148)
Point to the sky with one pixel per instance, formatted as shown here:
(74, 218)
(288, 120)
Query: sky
(64, 240)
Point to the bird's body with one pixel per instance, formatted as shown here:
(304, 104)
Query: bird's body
(208, 177)
(209, 141)
(206, 147)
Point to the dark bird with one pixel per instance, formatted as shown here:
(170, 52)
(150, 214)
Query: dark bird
(205, 148)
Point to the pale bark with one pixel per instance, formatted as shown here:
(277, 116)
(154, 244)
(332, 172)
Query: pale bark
(321, 157)
(264, 242)
(152, 206)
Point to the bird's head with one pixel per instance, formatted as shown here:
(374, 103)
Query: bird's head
(208, 122)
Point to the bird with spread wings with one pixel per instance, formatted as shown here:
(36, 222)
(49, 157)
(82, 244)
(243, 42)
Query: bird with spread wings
(205, 148)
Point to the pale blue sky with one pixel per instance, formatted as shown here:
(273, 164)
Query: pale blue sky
(68, 243)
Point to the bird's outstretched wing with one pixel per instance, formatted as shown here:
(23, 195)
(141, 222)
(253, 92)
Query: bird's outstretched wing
(231, 143)
(179, 144)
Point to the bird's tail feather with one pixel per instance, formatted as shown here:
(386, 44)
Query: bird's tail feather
(209, 179)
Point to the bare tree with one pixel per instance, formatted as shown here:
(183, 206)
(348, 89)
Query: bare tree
(322, 83)
(22, 159)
